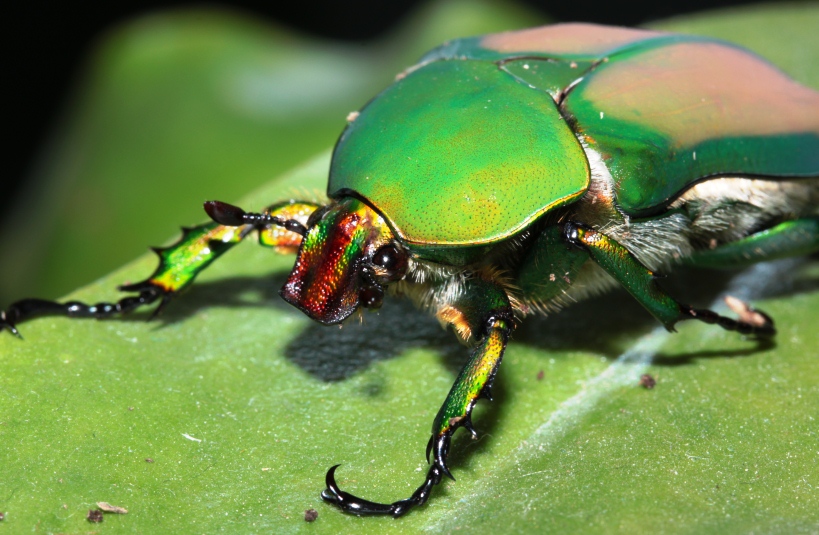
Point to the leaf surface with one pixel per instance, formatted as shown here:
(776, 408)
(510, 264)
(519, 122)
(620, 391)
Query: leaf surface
(224, 414)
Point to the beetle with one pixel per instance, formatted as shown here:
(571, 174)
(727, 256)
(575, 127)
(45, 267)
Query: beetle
(515, 173)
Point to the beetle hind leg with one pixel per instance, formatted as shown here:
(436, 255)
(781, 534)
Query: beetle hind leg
(790, 238)
(641, 283)
(752, 322)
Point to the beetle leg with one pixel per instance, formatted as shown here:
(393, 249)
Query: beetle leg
(641, 283)
(789, 238)
(179, 264)
(29, 308)
(481, 311)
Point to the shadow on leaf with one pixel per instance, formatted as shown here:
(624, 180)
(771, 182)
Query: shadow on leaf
(605, 325)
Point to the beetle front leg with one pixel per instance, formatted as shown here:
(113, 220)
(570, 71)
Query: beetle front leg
(179, 264)
(481, 312)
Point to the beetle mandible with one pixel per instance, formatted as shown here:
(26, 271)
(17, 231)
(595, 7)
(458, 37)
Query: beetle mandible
(515, 173)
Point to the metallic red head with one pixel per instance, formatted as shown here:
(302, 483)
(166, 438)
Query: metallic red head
(344, 261)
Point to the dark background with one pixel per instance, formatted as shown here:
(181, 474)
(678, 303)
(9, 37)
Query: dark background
(47, 42)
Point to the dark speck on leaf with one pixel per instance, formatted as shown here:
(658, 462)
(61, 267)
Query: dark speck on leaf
(94, 515)
(310, 515)
(540, 375)
(647, 381)
(148, 460)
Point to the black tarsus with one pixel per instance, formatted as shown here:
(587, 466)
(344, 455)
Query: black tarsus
(438, 446)
(358, 506)
(361, 507)
(233, 216)
(764, 330)
(25, 309)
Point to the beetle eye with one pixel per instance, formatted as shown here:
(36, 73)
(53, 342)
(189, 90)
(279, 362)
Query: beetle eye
(392, 261)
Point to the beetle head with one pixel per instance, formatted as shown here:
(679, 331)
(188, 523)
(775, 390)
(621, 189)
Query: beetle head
(345, 260)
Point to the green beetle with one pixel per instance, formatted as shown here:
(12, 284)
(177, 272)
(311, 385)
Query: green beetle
(515, 173)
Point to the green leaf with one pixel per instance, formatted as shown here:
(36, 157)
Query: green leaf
(179, 107)
(242, 404)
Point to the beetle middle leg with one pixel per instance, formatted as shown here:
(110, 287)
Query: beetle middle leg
(479, 309)
(179, 264)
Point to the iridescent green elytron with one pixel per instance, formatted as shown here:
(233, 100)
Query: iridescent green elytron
(517, 173)
(483, 142)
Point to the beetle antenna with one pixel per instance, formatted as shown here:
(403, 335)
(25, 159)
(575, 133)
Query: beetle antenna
(233, 216)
